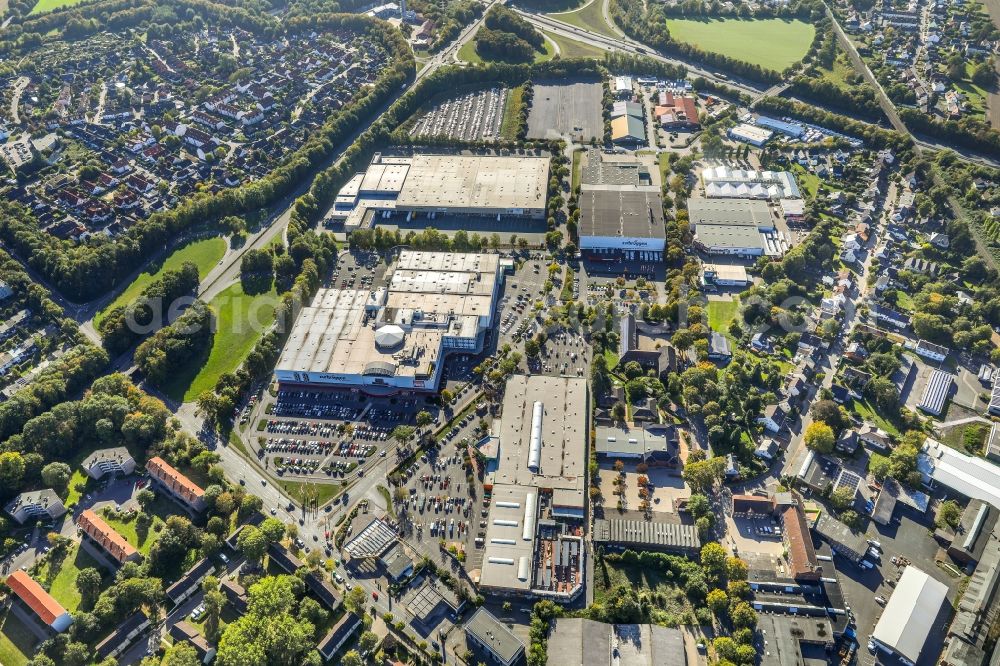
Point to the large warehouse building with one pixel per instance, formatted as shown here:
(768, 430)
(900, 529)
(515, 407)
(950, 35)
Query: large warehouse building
(910, 615)
(621, 222)
(396, 338)
(535, 475)
(431, 185)
(738, 227)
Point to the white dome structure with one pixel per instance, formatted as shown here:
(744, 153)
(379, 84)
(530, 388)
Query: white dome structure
(389, 336)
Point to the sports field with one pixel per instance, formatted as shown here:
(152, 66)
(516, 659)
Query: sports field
(49, 5)
(204, 253)
(771, 43)
(240, 321)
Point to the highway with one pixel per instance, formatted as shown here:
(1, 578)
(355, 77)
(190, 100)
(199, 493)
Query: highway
(627, 45)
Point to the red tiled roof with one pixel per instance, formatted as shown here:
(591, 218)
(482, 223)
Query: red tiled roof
(113, 543)
(177, 482)
(801, 554)
(31, 593)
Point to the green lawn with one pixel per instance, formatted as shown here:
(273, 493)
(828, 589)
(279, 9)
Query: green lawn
(512, 113)
(589, 17)
(204, 253)
(771, 43)
(143, 542)
(49, 5)
(17, 642)
(240, 321)
(59, 577)
(321, 492)
(808, 182)
(571, 48)
(866, 411)
(73, 495)
(609, 575)
(720, 313)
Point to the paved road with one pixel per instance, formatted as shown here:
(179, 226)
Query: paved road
(628, 45)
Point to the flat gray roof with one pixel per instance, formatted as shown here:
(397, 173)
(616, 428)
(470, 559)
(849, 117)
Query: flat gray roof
(468, 182)
(735, 212)
(729, 236)
(621, 211)
(583, 642)
(490, 631)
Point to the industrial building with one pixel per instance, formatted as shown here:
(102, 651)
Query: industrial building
(432, 185)
(724, 181)
(724, 275)
(654, 444)
(978, 608)
(537, 472)
(966, 475)
(591, 643)
(397, 338)
(628, 129)
(621, 222)
(741, 227)
(746, 133)
(618, 533)
(936, 392)
(910, 615)
(849, 544)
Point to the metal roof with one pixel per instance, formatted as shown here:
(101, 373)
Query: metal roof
(936, 392)
(910, 613)
(642, 532)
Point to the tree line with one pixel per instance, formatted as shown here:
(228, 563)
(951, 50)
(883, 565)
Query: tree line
(177, 345)
(125, 325)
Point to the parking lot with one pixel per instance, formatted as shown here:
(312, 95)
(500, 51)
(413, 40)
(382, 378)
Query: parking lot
(906, 537)
(441, 504)
(562, 109)
(470, 117)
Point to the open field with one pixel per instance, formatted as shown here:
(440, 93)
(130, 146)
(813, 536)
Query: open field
(720, 313)
(62, 583)
(771, 43)
(240, 321)
(143, 539)
(204, 253)
(571, 48)
(321, 493)
(49, 5)
(17, 643)
(589, 17)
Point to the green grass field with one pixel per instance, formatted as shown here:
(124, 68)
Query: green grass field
(17, 642)
(571, 48)
(589, 17)
(720, 313)
(240, 321)
(160, 509)
(49, 5)
(60, 576)
(771, 43)
(204, 253)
